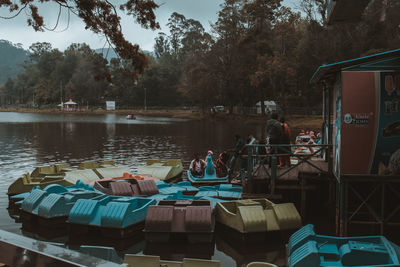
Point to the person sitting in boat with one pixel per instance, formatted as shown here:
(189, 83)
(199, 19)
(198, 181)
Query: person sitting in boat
(221, 165)
(210, 167)
(197, 166)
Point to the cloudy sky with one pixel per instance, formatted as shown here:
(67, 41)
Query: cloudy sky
(17, 31)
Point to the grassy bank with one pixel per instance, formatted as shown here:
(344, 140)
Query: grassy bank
(161, 112)
(295, 121)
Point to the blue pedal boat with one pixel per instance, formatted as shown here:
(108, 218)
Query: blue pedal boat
(173, 188)
(181, 196)
(210, 175)
(52, 188)
(50, 207)
(307, 249)
(222, 191)
(109, 216)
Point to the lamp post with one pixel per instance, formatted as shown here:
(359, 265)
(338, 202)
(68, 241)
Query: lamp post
(145, 105)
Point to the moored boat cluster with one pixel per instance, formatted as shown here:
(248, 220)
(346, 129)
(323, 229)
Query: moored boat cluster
(109, 202)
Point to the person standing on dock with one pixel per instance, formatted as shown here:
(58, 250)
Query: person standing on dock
(236, 152)
(275, 133)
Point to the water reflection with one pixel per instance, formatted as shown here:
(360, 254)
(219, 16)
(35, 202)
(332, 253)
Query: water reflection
(179, 249)
(29, 140)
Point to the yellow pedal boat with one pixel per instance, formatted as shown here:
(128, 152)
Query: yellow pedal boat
(63, 175)
(169, 170)
(257, 215)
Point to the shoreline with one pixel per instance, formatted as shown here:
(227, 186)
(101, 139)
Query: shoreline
(294, 121)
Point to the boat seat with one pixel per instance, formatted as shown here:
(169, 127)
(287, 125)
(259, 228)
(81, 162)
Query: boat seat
(59, 167)
(121, 189)
(270, 219)
(198, 219)
(287, 216)
(26, 178)
(88, 165)
(135, 189)
(253, 217)
(330, 252)
(159, 218)
(148, 187)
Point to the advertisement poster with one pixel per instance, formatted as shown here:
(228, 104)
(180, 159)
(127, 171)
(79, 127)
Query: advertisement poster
(359, 114)
(387, 152)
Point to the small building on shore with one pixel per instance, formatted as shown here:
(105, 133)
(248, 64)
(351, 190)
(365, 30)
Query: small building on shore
(270, 106)
(69, 106)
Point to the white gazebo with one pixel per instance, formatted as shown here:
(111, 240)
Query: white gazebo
(69, 106)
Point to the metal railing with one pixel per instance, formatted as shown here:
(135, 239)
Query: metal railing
(261, 156)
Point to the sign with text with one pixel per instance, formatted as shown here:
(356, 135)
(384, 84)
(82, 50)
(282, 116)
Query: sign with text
(110, 105)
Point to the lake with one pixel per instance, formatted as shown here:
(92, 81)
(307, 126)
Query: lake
(28, 140)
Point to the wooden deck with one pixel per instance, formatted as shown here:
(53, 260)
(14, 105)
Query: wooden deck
(302, 178)
(284, 174)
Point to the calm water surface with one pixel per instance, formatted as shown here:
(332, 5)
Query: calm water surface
(30, 140)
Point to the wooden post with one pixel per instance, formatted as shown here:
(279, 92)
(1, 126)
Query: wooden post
(274, 166)
(303, 183)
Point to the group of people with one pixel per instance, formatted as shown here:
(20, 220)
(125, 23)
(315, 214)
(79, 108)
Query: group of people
(278, 133)
(197, 165)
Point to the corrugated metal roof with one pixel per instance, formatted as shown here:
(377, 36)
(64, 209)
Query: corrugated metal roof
(329, 69)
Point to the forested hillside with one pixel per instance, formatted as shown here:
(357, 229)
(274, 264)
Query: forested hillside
(12, 57)
(257, 50)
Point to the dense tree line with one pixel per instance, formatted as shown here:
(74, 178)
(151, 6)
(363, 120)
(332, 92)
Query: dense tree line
(257, 50)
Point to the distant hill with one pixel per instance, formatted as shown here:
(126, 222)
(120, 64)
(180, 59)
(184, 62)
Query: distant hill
(111, 53)
(12, 56)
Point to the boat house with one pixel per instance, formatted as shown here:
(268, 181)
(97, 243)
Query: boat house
(362, 122)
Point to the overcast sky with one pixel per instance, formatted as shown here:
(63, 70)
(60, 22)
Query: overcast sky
(17, 31)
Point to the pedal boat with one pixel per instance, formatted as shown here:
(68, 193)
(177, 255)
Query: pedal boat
(210, 175)
(169, 219)
(305, 248)
(257, 215)
(168, 171)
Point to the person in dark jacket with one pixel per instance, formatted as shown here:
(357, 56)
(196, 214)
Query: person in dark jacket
(236, 152)
(274, 132)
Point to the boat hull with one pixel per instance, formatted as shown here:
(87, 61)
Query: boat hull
(207, 180)
(305, 248)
